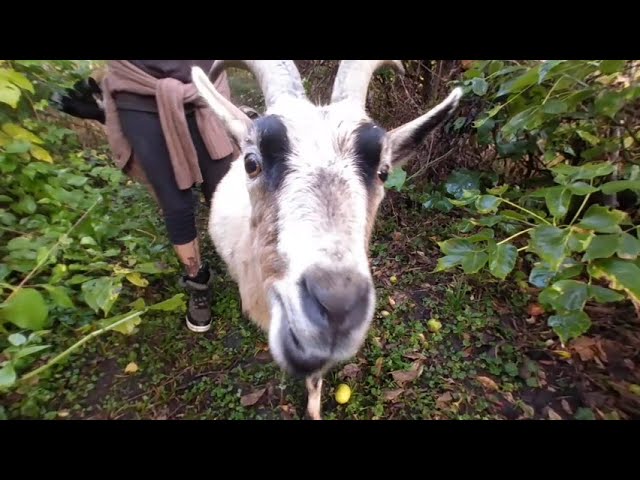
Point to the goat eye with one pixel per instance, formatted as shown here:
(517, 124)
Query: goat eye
(251, 164)
(383, 174)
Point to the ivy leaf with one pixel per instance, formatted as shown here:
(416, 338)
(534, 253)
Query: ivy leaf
(170, 305)
(59, 295)
(137, 279)
(20, 133)
(581, 188)
(473, 262)
(587, 171)
(602, 246)
(609, 103)
(41, 154)
(460, 181)
(502, 260)
(621, 275)
(546, 68)
(549, 243)
(569, 325)
(26, 309)
(9, 93)
(518, 84)
(461, 252)
(557, 200)
(555, 107)
(603, 219)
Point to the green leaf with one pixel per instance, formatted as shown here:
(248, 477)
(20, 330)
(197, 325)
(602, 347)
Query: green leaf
(555, 107)
(460, 181)
(609, 103)
(396, 179)
(26, 309)
(17, 339)
(541, 275)
(607, 67)
(487, 203)
(9, 93)
(569, 295)
(26, 351)
(628, 247)
(473, 262)
(587, 171)
(101, 293)
(170, 305)
(137, 279)
(584, 414)
(581, 188)
(520, 83)
(448, 262)
(603, 219)
(588, 137)
(621, 275)
(616, 186)
(579, 241)
(479, 86)
(17, 79)
(602, 246)
(550, 244)
(60, 296)
(502, 260)
(547, 67)
(457, 246)
(7, 376)
(557, 200)
(604, 295)
(482, 235)
(569, 325)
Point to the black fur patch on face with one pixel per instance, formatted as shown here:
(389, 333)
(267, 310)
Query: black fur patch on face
(275, 148)
(368, 147)
(79, 101)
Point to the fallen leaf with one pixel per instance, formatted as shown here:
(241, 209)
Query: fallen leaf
(562, 354)
(535, 310)
(415, 356)
(350, 371)
(404, 376)
(392, 302)
(443, 400)
(601, 353)
(63, 413)
(391, 395)
(377, 370)
(528, 410)
(384, 313)
(487, 383)
(566, 407)
(132, 367)
(252, 398)
(585, 347)
(553, 415)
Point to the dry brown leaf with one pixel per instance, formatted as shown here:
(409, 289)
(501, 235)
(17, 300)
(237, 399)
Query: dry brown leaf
(487, 383)
(392, 302)
(601, 353)
(535, 310)
(528, 410)
(585, 347)
(404, 376)
(415, 356)
(252, 398)
(443, 400)
(350, 371)
(132, 367)
(566, 407)
(551, 413)
(391, 395)
(377, 370)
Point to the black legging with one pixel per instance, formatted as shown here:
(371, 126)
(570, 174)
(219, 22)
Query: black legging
(144, 132)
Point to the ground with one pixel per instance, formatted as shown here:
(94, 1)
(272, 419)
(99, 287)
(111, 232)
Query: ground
(493, 358)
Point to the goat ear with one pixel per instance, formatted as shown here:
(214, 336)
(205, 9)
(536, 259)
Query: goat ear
(234, 120)
(401, 142)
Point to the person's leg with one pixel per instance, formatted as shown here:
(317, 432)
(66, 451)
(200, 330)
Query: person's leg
(144, 131)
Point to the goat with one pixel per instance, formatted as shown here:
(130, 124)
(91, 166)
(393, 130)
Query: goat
(83, 100)
(293, 218)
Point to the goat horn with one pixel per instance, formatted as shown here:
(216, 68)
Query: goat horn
(275, 77)
(353, 78)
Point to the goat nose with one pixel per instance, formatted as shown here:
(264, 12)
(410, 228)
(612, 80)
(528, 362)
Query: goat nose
(335, 299)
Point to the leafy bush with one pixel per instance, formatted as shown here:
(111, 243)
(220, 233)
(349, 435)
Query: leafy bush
(77, 243)
(571, 124)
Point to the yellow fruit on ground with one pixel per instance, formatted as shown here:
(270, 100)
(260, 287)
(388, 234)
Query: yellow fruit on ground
(434, 325)
(343, 393)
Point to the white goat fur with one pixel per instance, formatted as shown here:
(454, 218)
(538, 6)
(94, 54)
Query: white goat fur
(308, 224)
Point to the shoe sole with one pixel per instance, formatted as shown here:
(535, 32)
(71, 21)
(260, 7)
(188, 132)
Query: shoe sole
(197, 328)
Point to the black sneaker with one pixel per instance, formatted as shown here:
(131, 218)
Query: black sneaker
(199, 309)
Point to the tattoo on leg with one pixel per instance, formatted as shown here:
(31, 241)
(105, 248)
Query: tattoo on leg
(192, 266)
